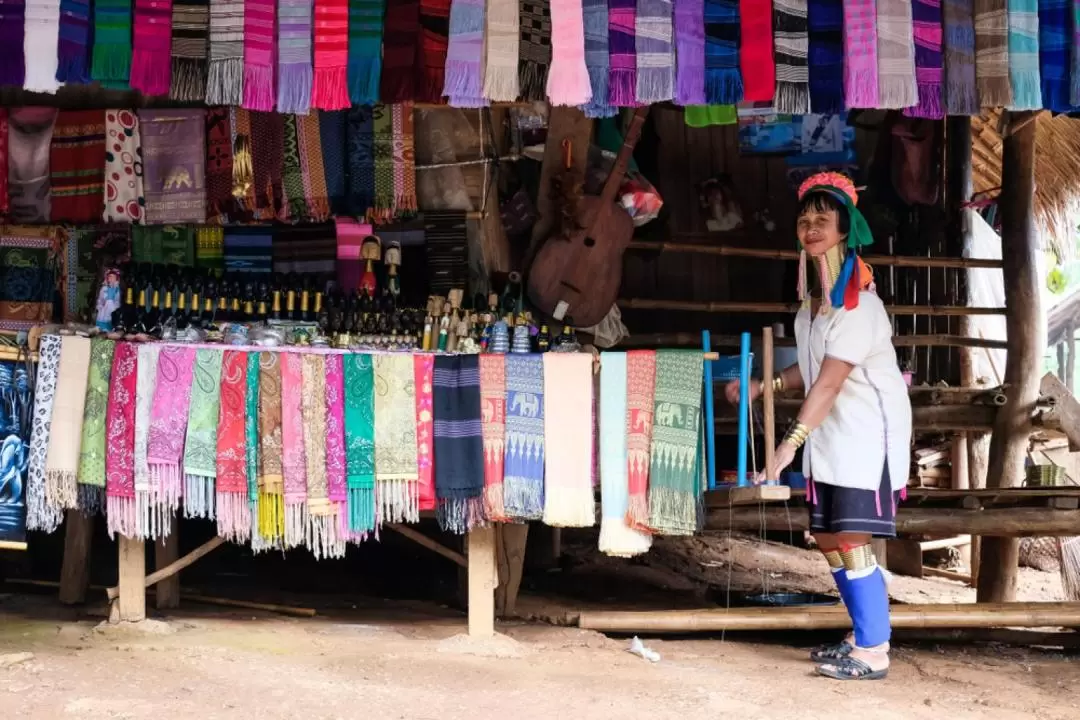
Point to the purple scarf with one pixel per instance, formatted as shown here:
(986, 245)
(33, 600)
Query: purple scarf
(623, 79)
(294, 56)
(690, 52)
(12, 60)
(926, 15)
(73, 49)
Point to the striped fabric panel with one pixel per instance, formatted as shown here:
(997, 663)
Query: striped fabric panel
(259, 32)
(190, 19)
(226, 29)
(153, 25)
(331, 33)
(294, 32)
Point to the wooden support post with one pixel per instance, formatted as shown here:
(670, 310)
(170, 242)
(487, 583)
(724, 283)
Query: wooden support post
(510, 541)
(75, 573)
(166, 552)
(1026, 333)
(767, 372)
(482, 579)
(132, 580)
(1070, 362)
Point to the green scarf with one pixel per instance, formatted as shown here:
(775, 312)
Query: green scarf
(200, 446)
(674, 472)
(252, 426)
(92, 449)
(111, 64)
(360, 441)
(163, 244)
(383, 143)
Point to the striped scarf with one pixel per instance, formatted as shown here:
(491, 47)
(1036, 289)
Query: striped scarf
(926, 15)
(860, 54)
(294, 56)
(992, 53)
(151, 64)
(896, 55)
(622, 83)
(1024, 56)
(225, 77)
(400, 52)
(826, 56)
(689, 52)
(330, 84)
(654, 52)
(595, 16)
(1054, 43)
(190, 47)
(568, 81)
(112, 43)
(365, 50)
(723, 82)
(791, 38)
(73, 48)
(41, 38)
(464, 82)
(259, 55)
(523, 484)
(459, 446)
(756, 51)
(961, 95)
(534, 48)
(76, 166)
(502, 38)
(12, 35)
(433, 41)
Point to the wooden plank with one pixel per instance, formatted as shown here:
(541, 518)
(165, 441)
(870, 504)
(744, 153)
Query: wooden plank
(421, 539)
(75, 573)
(510, 541)
(655, 340)
(905, 557)
(730, 496)
(780, 308)
(166, 551)
(1066, 407)
(483, 576)
(132, 580)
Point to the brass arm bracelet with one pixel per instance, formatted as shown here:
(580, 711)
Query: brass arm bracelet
(777, 384)
(797, 434)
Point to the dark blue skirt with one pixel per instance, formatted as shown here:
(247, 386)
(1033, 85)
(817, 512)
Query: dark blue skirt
(848, 510)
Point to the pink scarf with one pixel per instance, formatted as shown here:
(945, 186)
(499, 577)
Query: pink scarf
(120, 442)
(233, 512)
(568, 79)
(493, 427)
(860, 54)
(336, 487)
(259, 52)
(330, 86)
(293, 461)
(424, 368)
(151, 60)
(168, 424)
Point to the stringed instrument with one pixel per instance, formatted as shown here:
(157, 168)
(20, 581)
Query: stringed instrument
(577, 272)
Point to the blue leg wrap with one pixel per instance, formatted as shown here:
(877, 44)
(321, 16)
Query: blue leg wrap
(868, 605)
(842, 584)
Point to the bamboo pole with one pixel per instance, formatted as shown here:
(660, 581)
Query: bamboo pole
(767, 401)
(725, 306)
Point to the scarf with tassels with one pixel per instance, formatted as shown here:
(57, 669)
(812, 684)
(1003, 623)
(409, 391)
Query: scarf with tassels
(826, 58)
(41, 514)
(424, 378)
(383, 151)
(150, 524)
(337, 489)
(493, 423)
(654, 52)
(124, 197)
(231, 508)
(534, 48)
(1055, 41)
(595, 18)
(293, 450)
(640, 397)
(121, 511)
(790, 38)
(151, 62)
(896, 55)
(396, 473)
(617, 538)
(323, 537)
(689, 52)
(112, 43)
(365, 50)
(464, 80)
(73, 46)
(75, 166)
(225, 76)
(65, 432)
(360, 442)
(568, 79)
(190, 49)
(259, 51)
(41, 38)
(360, 146)
(1024, 56)
(675, 455)
(622, 80)
(404, 153)
(251, 429)
(200, 447)
(434, 32)
(860, 54)
(459, 447)
(723, 82)
(168, 426)
(568, 440)
(271, 499)
(92, 447)
(992, 53)
(756, 51)
(926, 25)
(523, 484)
(502, 40)
(961, 95)
(330, 84)
(294, 56)
(401, 53)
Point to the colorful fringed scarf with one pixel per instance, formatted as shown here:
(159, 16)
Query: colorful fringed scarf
(523, 484)
(756, 51)
(333, 141)
(73, 48)
(401, 55)
(168, 427)
(622, 81)
(360, 143)
(221, 205)
(293, 451)
(640, 399)
(92, 446)
(124, 197)
(675, 468)
(271, 483)
(617, 538)
(190, 49)
(459, 447)
(294, 56)
(268, 149)
(151, 63)
(597, 63)
(173, 174)
(396, 472)
(689, 51)
(309, 143)
(992, 53)
(1055, 41)
(365, 50)
(77, 167)
(360, 442)
(200, 448)
(225, 76)
(65, 432)
(434, 31)
(30, 132)
(424, 378)
(402, 164)
(251, 431)
(464, 82)
(120, 507)
(12, 31)
(150, 524)
(961, 95)
(568, 79)
(896, 55)
(502, 40)
(112, 43)
(860, 54)
(568, 440)
(723, 82)
(292, 179)
(337, 489)
(330, 83)
(1024, 56)
(259, 50)
(41, 514)
(654, 52)
(926, 24)
(493, 420)
(323, 536)
(232, 510)
(534, 48)
(41, 36)
(826, 56)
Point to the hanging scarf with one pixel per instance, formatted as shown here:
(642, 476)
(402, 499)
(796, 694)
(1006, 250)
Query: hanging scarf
(756, 50)
(332, 139)
(65, 431)
(73, 47)
(1024, 56)
(423, 374)
(961, 95)
(309, 142)
(464, 84)
(41, 514)
(360, 442)
(927, 28)
(826, 58)
(120, 508)
(173, 175)
(493, 421)
(294, 56)
(434, 29)
(323, 538)
(124, 197)
(190, 47)
(75, 166)
(3, 162)
(534, 48)
(1055, 41)
(292, 179)
(112, 43)
(617, 538)
(568, 440)
(653, 50)
(404, 154)
(293, 451)
(150, 524)
(568, 80)
(268, 143)
(622, 82)
(640, 399)
(164, 245)
(41, 37)
(337, 489)
(992, 53)
(92, 447)
(259, 51)
(396, 472)
(30, 132)
(523, 484)
(400, 52)
(271, 501)
(151, 64)
(12, 31)
(597, 63)
(689, 51)
(305, 249)
(221, 204)
(365, 50)
(360, 142)
(459, 475)
(225, 77)
(30, 258)
(330, 82)
(200, 449)
(502, 38)
(675, 470)
(251, 431)
(350, 238)
(232, 511)
(896, 55)
(860, 54)
(723, 82)
(168, 426)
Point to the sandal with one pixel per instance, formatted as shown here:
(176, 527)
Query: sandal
(829, 653)
(849, 668)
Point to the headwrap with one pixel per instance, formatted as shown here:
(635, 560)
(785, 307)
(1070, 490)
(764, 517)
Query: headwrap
(41, 38)
(826, 80)
(1024, 56)
(622, 82)
(860, 54)
(929, 64)
(330, 82)
(501, 35)
(792, 72)
(151, 63)
(723, 81)
(992, 53)
(259, 55)
(294, 56)
(961, 95)
(756, 50)
(653, 26)
(365, 50)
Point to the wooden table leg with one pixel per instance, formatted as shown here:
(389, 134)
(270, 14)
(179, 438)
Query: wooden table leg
(166, 551)
(132, 580)
(483, 577)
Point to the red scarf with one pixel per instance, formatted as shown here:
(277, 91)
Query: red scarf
(401, 32)
(434, 40)
(493, 425)
(756, 50)
(77, 167)
(330, 87)
(423, 370)
(640, 398)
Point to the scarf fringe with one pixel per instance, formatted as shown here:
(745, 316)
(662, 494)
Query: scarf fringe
(151, 72)
(324, 536)
(225, 82)
(122, 517)
(188, 83)
(361, 510)
(233, 514)
(259, 543)
(532, 80)
(860, 88)
(398, 501)
(690, 86)
(617, 539)
(570, 507)
(672, 512)
(271, 515)
(91, 500)
(657, 85)
(363, 76)
(993, 91)
(494, 506)
(931, 103)
(71, 64)
(330, 88)
(461, 515)
(723, 86)
(1027, 90)
(296, 520)
(259, 87)
(961, 98)
(431, 87)
(793, 98)
(500, 84)
(165, 485)
(198, 497)
(294, 89)
(462, 81)
(523, 498)
(111, 63)
(40, 513)
(621, 87)
(637, 514)
(61, 489)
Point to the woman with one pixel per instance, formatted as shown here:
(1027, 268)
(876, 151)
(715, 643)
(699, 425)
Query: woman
(855, 422)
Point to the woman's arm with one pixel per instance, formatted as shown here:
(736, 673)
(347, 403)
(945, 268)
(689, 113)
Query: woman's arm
(792, 377)
(792, 381)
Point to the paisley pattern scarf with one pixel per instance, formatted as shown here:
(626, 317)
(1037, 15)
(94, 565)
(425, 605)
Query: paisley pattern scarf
(424, 368)
(323, 536)
(336, 465)
(92, 447)
(251, 428)
(232, 510)
(150, 524)
(120, 507)
(168, 426)
(40, 513)
(360, 442)
(293, 458)
(200, 449)
(271, 499)
(396, 472)
(640, 394)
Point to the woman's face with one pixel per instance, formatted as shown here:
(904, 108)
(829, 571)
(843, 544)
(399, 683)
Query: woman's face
(819, 230)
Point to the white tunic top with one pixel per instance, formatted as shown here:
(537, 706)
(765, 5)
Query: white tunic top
(871, 420)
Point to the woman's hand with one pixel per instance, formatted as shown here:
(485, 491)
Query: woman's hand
(785, 453)
(731, 391)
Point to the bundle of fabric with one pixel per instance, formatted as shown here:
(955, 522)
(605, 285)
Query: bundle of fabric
(12, 59)
(689, 51)
(153, 521)
(992, 53)
(826, 58)
(330, 84)
(190, 48)
(675, 456)
(365, 50)
(306, 249)
(259, 51)
(350, 237)
(396, 472)
(232, 510)
(534, 48)
(1054, 65)
(294, 56)
(640, 402)
(304, 180)
(112, 43)
(359, 381)
(424, 379)
(501, 38)
(28, 272)
(41, 514)
(200, 448)
(568, 440)
(1024, 56)
(91, 490)
(568, 80)
(151, 61)
(464, 78)
(164, 245)
(174, 180)
(249, 249)
(332, 139)
(434, 31)
(41, 36)
(493, 419)
(323, 536)
(77, 166)
(459, 476)
(65, 427)
(961, 95)
(124, 197)
(360, 144)
(271, 483)
(29, 136)
(926, 24)
(210, 248)
(523, 482)
(860, 54)
(225, 75)
(121, 514)
(723, 81)
(73, 45)
(337, 489)
(293, 451)
(401, 55)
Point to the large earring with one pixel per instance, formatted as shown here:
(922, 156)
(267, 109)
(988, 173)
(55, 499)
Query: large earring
(802, 275)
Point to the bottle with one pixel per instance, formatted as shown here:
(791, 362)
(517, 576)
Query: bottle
(194, 319)
(153, 316)
(319, 314)
(140, 325)
(181, 311)
(167, 309)
(206, 320)
(543, 340)
(304, 313)
(290, 303)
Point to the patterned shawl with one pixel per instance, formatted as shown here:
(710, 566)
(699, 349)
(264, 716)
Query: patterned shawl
(330, 83)
(826, 22)
(190, 49)
(1024, 56)
(121, 509)
(294, 56)
(433, 40)
(401, 33)
(360, 143)
(232, 509)
(259, 53)
(523, 484)
(92, 447)
(655, 53)
(723, 82)
(65, 432)
(622, 82)
(76, 166)
(73, 48)
(41, 514)
(365, 50)
(225, 77)
(396, 472)
(112, 43)
(992, 53)
(464, 81)
(168, 425)
(251, 426)
(41, 36)
(149, 524)
(293, 449)
(896, 55)
(675, 464)
(459, 474)
(200, 448)
(333, 141)
(271, 501)
(124, 196)
(927, 28)
(568, 440)
(961, 95)
(690, 51)
(502, 38)
(360, 441)
(30, 132)
(1055, 39)
(640, 398)
(493, 419)
(423, 374)
(336, 469)
(151, 64)
(323, 536)
(28, 276)
(534, 48)
(306, 249)
(164, 245)
(174, 180)
(860, 54)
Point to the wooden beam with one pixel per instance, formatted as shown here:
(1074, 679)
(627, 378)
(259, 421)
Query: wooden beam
(75, 573)
(166, 552)
(725, 306)
(131, 591)
(1070, 367)
(729, 496)
(656, 340)
(767, 359)
(483, 576)
(421, 539)
(510, 542)
(1066, 408)
(169, 570)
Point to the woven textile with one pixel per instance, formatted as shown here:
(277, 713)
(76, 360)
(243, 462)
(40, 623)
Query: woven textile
(231, 506)
(120, 507)
(433, 41)
(168, 425)
(200, 446)
(174, 176)
(675, 472)
(112, 43)
(929, 61)
(41, 36)
(40, 513)
(330, 84)
(447, 245)
(293, 449)
(29, 134)
(149, 524)
(640, 403)
(992, 53)
(151, 61)
(12, 31)
(502, 39)
(270, 468)
(309, 142)
(622, 82)
(723, 81)
(251, 426)
(568, 79)
(896, 55)
(92, 446)
(360, 144)
(534, 48)
(365, 50)
(961, 95)
(190, 49)
(404, 162)
(690, 51)
(1024, 56)
(464, 80)
(225, 76)
(28, 273)
(655, 53)
(294, 56)
(332, 137)
(396, 471)
(826, 58)
(324, 536)
(305, 249)
(268, 151)
(424, 377)
(493, 419)
(401, 52)
(77, 166)
(164, 245)
(248, 249)
(350, 237)
(65, 432)
(860, 54)
(523, 484)
(259, 51)
(210, 248)
(459, 447)
(337, 489)
(360, 441)
(568, 440)
(73, 47)
(221, 206)
(1054, 46)
(597, 62)
(756, 50)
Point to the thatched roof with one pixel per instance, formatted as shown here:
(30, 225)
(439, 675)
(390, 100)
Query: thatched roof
(1057, 171)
